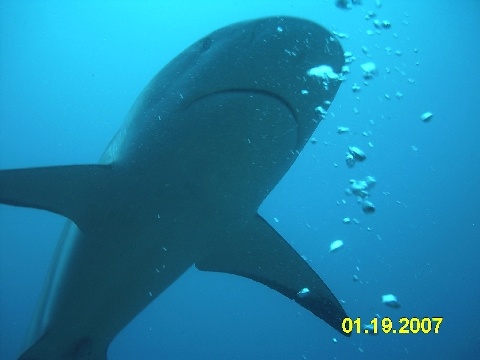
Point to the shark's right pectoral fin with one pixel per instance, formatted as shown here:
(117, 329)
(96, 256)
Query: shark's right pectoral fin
(73, 191)
(261, 254)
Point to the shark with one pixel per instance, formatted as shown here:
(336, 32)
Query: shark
(180, 185)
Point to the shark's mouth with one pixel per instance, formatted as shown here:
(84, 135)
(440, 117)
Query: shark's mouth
(251, 92)
(268, 96)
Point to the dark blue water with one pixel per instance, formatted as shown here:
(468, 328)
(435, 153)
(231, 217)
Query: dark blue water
(69, 72)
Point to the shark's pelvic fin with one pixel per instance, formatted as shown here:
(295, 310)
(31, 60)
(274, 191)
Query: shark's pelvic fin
(264, 256)
(71, 191)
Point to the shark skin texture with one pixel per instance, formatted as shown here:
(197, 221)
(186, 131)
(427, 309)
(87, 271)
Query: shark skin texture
(180, 185)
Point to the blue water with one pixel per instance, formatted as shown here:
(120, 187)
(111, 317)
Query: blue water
(69, 72)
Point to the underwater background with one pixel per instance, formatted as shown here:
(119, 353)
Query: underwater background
(69, 72)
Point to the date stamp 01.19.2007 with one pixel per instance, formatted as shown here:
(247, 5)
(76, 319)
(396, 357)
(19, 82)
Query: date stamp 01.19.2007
(386, 325)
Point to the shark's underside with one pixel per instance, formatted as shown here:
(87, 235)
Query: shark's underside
(180, 184)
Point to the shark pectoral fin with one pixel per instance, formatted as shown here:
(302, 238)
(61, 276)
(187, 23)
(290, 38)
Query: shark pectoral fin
(261, 254)
(70, 191)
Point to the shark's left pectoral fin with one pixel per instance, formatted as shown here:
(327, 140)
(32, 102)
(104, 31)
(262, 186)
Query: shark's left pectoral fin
(261, 254)
(73, 191)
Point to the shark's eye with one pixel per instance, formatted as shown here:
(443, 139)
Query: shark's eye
(207, 42)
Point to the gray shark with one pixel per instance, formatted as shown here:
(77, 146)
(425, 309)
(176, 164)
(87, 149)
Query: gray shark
(180, 185)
